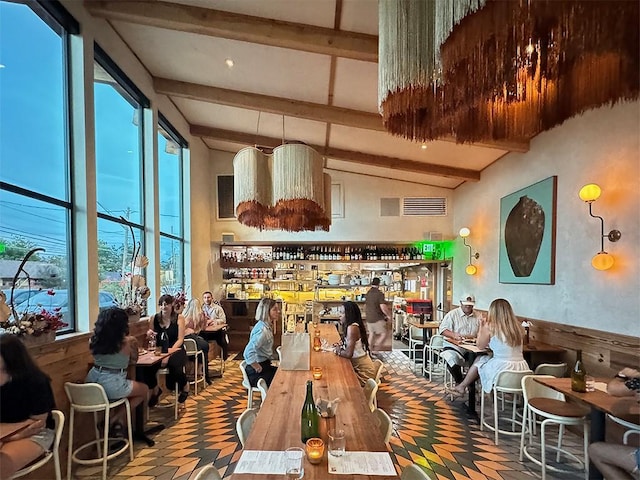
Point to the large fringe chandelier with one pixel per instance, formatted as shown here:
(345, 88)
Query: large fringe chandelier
(285, 190)
(484, 70)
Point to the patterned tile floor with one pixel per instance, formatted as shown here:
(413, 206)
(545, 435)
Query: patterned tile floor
(428, 430)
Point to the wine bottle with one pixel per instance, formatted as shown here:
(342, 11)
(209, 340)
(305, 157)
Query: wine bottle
(309, 420)
(578, 375)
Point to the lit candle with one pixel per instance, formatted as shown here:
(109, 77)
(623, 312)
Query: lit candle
(317, 373)
(315, 450)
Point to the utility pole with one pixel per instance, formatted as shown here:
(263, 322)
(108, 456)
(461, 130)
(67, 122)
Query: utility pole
(125, 244)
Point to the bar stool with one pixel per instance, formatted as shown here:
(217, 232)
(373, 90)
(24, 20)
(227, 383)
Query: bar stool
(431, 350)
(91, 398)
(507, 381)
(191, 347)
(165, 371)
(214, 347)
(545, 402)
(246, 384)
(58, 419)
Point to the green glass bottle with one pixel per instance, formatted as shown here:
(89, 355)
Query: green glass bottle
(578, 375)
(309, 420)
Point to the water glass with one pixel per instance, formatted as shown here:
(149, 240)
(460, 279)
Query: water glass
(590, 383)
(294, 463)
(336, 442)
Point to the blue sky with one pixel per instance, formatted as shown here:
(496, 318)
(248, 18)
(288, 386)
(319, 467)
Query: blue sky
(32, 138)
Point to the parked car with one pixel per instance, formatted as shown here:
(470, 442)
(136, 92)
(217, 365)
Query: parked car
(60, 299)
(20, 294)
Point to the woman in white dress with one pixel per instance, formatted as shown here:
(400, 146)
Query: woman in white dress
(502, 332)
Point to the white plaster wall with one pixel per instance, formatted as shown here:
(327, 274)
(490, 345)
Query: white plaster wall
(602, 146)
(362, 221)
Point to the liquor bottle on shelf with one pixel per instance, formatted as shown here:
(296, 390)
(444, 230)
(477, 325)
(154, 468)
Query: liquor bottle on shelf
(309, 419)
(579, 375)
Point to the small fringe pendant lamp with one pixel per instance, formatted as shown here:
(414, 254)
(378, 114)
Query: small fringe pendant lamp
(252, 186)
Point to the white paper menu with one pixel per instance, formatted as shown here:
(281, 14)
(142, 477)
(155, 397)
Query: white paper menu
(362, 463)
(262, 462)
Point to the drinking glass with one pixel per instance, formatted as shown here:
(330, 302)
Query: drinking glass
(590, 383)
(294, 462)
(336, 442)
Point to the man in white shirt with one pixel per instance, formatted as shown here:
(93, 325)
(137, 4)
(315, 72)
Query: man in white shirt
(458, 324)
(215, 315)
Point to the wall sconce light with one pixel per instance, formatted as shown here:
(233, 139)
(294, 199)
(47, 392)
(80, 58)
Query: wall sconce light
(471, 268)
(601, 260)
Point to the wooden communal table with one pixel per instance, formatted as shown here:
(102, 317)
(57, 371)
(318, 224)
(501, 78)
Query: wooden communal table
(277, 426)
(601, 403)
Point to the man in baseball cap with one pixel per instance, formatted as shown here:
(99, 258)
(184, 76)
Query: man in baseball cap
(458, 324)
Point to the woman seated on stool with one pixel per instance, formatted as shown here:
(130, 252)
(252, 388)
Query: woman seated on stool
(169, 328)
(614, 460)
(112, 351)
(259, 351)
(26, 393)
(355, 345)
(502, 332)
(194, 320)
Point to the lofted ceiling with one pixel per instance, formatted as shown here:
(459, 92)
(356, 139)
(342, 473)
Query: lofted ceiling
(309, 65)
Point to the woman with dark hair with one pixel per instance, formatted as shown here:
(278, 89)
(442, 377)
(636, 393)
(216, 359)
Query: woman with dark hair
(259, 351)
(112, 351)
(168, 328)
(25, 393)
(355, 345)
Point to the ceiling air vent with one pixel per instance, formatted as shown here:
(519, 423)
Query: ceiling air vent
(424, 206)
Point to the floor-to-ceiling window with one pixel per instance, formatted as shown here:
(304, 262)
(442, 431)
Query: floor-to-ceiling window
(170, 181)
(119, 178)
(35, 173)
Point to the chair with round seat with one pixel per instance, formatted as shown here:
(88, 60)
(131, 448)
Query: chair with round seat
(165, 371)
(91, 398)
(384, 423)
(262, 386)
(210, 472)
(379, 370)
(246, 384)
(414, 472)
(58, 419)
(244, 424)
(192, 350)
(551, 406)
(415, 339)
(432, 361)
(507, 382)
(450, 357)
(556, 369)
(632, 428)
(370, 392)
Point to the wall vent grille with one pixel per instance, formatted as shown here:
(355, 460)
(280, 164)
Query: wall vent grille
(424, 206)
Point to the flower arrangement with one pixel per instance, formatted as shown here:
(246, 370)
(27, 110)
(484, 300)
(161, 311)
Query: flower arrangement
(29, 323)
(136, 292)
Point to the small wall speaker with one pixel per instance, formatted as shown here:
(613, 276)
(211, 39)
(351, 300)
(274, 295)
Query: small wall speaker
(228, 238)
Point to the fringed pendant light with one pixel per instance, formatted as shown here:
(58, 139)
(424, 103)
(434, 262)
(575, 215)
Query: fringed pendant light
(252, 186)
(502, 70)
(284, 191)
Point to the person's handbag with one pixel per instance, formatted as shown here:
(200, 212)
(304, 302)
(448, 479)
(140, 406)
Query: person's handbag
(296, 351)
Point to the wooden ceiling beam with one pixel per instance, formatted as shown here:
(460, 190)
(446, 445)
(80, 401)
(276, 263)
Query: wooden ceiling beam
(234, 26)
(297, 108)
(340, 154)
(266, 103)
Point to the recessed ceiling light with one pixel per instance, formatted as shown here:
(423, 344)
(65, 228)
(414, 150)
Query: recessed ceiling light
(423, 146)
(229, 63)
